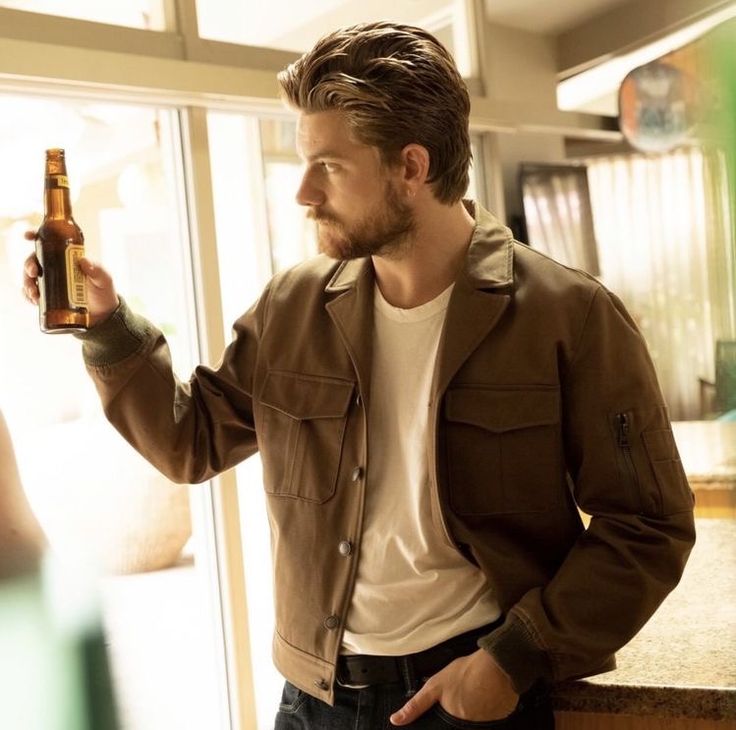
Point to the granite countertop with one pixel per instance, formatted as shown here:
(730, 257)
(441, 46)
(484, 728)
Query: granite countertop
(708, 451)
(683, 662)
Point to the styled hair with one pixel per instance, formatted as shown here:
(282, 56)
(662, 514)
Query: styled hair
(395, 85)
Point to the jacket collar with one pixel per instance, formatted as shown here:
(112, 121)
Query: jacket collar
(474, 309)
(490, 260)
(488, 265)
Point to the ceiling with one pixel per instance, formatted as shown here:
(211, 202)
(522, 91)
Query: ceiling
(548, 17)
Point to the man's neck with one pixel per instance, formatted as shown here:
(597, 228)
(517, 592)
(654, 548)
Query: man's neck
(431, 262)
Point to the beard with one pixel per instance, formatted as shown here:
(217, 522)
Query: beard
(384, 231)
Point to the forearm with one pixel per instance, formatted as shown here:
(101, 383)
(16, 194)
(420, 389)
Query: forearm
(611, 582)
(186, 430)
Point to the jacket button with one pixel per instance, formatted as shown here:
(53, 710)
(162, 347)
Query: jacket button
(332, 622)
(321, 684)
(357, 473)
(345, 547)
(359, 400)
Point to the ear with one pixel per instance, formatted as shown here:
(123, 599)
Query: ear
(415, 159)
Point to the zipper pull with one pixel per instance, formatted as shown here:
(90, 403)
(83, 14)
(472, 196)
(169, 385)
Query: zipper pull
(623, 430)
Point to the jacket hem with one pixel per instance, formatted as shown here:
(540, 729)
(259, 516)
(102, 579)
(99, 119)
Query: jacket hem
(309, 673)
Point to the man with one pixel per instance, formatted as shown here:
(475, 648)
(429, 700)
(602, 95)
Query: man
(432, 402)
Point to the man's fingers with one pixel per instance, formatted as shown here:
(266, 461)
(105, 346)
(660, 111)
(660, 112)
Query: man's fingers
(30, 235)
(30, 274)
(30, 268)
(31, 294)
(417, 705)
(102, 300)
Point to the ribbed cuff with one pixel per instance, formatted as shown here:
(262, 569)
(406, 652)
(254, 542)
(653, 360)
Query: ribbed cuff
(109, 342)
(515, 651)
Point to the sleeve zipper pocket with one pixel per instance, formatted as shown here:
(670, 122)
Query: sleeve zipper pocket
(623, 431)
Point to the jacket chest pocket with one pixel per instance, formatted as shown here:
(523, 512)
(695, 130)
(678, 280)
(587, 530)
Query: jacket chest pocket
(503, 450)
(300, 433)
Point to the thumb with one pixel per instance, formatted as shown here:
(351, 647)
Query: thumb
(89, 267)
(102, 298)
(416, 706)
(96, 275)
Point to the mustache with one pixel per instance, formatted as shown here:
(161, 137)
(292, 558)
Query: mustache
(320, 215)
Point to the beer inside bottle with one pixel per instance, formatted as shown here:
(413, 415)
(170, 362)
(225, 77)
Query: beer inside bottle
(59, 246)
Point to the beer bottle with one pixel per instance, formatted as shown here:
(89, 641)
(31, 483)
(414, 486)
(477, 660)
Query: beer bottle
(59, 245)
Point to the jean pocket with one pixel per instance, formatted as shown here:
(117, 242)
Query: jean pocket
(292, 699)
(449, 720)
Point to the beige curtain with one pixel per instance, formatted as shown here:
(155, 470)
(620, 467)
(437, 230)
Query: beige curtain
(666, 248)
(558, 214)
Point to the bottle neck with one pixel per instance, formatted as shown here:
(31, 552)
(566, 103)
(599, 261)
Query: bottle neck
(57, 201)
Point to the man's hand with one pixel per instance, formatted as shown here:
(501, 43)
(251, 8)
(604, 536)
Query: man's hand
(471, 688)
(102, 299)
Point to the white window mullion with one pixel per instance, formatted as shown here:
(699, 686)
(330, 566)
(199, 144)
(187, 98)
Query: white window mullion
(220, 502)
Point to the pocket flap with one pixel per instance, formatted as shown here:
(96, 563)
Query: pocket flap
(306, 396)
(503, 410)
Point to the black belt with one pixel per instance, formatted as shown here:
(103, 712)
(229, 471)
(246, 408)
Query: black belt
(364, 669)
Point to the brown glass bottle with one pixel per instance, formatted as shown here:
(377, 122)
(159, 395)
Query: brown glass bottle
(59, 245)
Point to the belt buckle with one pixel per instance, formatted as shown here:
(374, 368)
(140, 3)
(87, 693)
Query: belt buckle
(340, 679)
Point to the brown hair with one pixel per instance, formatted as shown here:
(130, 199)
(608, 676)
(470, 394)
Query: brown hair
(396, 85)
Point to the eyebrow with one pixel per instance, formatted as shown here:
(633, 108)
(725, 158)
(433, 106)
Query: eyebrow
(332, 154)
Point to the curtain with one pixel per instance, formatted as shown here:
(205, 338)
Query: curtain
(665, 245)
(557, 214)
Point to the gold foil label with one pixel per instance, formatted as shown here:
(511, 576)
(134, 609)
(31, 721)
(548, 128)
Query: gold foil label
(57, 181)
(75, 282)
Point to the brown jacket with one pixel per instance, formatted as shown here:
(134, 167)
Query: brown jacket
(544, 400)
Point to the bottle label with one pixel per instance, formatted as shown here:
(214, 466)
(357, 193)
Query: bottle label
(57, 181)
(75, 282)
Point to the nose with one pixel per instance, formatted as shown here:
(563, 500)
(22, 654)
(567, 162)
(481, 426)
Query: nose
(309, 194)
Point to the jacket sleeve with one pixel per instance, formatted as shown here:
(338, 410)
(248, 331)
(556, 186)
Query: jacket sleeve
(626, 474)
(190, 431)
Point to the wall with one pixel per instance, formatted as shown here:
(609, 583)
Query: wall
(520, 67)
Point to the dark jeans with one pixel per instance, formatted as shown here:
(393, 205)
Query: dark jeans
(370, 708)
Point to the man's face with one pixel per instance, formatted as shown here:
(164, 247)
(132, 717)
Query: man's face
(356, 201)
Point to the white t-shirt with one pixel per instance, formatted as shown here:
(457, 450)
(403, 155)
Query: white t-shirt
(412, 590)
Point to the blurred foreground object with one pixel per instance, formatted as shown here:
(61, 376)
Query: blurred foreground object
(54, 672)
(22, 541)
(687, 96)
